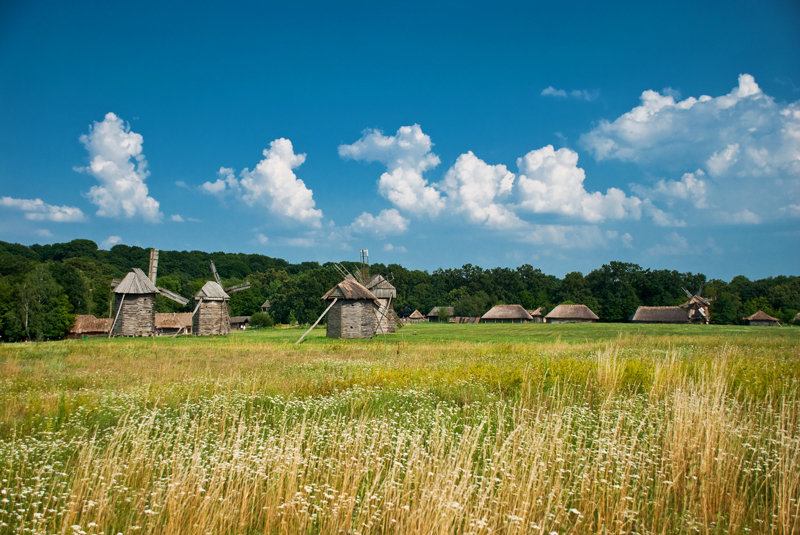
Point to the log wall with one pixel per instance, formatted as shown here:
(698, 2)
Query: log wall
(352, 319)
(137, 317)
(212, 317)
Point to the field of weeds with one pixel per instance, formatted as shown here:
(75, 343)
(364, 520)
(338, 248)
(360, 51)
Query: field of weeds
(437, 429)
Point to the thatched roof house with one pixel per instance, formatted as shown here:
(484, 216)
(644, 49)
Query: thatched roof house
(88, 326)
(354, 313)
(211, 314)
(416, 317)
(762, 319)
(171, 323)
(239, 323)
(385, 293)
(265, 305)
(134, 305)
(571, 314)
(506, 314)
(433, 315)
(537, 315)
(660, 315)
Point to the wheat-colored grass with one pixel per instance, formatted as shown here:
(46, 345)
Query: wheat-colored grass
(625, 434)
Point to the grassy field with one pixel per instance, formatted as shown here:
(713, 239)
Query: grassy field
(436, 429)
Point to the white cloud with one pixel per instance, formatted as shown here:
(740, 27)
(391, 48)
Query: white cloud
(580, 94)
(473, 186)
(262, 239)
(43, 232)
(110, 242)
(397, 248)
(38, 210)
(272, 184)
(744, 146)
(660, 217)
(563, 236)
(119, 165)
(406, 155)
(387, 222)
(550, 181)
(177, 218)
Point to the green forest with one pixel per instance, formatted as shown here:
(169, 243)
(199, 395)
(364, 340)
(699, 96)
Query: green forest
(42, 287)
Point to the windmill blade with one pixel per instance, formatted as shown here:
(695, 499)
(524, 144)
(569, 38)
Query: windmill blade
(152, 270)
(173, 296)
(115, 283)
(342, 271)
(700, 290)
(238, 288)
(214, 271)
(687, 292)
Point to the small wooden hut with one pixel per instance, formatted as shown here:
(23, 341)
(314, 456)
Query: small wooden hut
(571, 314)
(660, 315)
(134, 305)
(506, 314)
(762, 319)
(416, 317)
(239, 323)
(536, 315)
(211, 314)
(353, 312)
(173, 323)
(385, 293)
(88, 326)
(265, 305)
(435, 314)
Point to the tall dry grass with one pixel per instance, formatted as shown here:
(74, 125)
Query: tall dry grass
(618, 439)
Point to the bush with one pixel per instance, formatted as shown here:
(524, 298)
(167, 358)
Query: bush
(261, 319)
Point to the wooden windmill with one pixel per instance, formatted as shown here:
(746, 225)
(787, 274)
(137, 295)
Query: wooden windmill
(697, 307)
(135, 301)
(211, 315)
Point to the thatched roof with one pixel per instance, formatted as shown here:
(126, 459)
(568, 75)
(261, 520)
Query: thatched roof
(435, 311)
(173, 320)
(136, 282)
(86, 323)
(349, 289)
(265, 304)
(240, 319)
(416, 315)
(760, 316)
(507, 312)
(535, 313)
(578, 312)
(660, 315)
(212, 291)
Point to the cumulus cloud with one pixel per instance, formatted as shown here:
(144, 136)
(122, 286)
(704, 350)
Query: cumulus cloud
(744, 147)
(690, 190)
(261, 238)
(117, 162)
(550, 181)
(38, 210)
(580, 94)
(386, 223)
(398, 248)
(406, 155)
(110, 242)
(473, 188)
(272, 184)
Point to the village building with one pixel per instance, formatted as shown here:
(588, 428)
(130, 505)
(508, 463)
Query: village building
(697, 307)
(506, 314)
(415, 317)
(571, 314)
(239, 323)
(265, 306)
(762, 319)
(173, 323)
(88, 326)
(134, 306)
(660, 315)
(385, 293)
(352, 312)
(436, 312)
(536, 315)
(211, 316)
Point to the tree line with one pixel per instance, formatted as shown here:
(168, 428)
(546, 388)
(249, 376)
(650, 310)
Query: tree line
(42, 287)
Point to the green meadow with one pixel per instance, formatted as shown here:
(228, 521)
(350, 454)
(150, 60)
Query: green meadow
(594, 428)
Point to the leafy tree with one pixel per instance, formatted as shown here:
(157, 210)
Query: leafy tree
(261, 319)
(41, 309)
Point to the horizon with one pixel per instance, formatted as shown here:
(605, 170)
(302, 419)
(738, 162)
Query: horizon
(435, 136)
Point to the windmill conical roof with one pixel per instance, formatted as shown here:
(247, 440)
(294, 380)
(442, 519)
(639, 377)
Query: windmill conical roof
(212, 291)
(136, 282)
(349, 289)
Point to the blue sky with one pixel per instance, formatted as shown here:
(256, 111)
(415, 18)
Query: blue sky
(563, 135)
